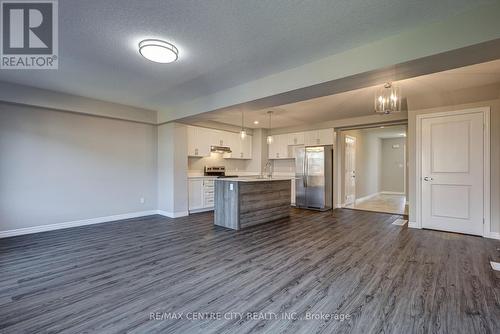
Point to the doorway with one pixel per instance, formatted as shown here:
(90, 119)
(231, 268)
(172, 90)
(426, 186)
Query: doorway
(350, 170)
(453, 171)
(374, 163)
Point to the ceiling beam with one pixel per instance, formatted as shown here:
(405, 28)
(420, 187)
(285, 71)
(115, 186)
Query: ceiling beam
(461, 40)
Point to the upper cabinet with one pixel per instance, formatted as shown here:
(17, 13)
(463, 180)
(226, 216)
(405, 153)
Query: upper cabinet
(240, 148)
(282, 146)
(318, 137)
(198, 145)
(295, 138)
(278, 149)
(201, 139)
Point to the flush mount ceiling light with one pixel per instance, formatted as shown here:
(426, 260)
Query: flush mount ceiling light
(158, 51)
(388, 99)
(255, 122)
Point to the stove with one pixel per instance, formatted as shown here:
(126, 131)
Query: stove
(219, 171)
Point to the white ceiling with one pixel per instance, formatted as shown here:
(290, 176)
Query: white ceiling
(434, 89)
(222, 43)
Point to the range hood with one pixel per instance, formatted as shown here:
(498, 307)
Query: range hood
(220, 149)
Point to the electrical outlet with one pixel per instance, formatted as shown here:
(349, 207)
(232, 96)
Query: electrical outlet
(141, 200)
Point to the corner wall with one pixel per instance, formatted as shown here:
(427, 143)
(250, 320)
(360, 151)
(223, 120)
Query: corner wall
(172, 170)
(59, 167)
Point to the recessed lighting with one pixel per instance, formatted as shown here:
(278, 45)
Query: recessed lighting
(158, 51)
(255, 122)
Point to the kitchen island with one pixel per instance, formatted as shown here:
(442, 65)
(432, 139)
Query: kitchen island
(244, 202)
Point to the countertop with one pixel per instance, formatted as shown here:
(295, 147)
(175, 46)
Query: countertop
(254, 179)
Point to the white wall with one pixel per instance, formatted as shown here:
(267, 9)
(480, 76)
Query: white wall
(59, 167)
(172, 170)
(368, 163)
(393, 161)
(216, 159)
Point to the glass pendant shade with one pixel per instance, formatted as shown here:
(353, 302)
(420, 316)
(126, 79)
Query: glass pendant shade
(269, 138)
(388, 99)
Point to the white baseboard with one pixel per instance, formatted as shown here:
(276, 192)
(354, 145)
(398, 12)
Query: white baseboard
(91, 221)
(493, 235)
(367, 197)
(173, 214)
(391, 193)
(413, 225)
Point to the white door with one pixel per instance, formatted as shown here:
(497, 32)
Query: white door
(452, 173)
(350, 170)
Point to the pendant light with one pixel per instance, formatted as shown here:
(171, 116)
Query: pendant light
(243, 132)
(388, 99)
(269, 137)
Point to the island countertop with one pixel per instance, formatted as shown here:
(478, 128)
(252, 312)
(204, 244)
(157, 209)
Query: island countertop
(243, 202)
(253, 179)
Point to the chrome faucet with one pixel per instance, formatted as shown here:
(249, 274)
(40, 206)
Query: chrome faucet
(269, 169)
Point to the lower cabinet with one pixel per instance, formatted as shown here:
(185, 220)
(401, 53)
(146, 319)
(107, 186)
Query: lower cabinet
(201, 194)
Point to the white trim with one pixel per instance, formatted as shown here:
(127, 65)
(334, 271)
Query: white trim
(366, 197)
(413, 225)
(392, 193)
(91, 221)
(173, 214)
(493, 235)
(486, 177)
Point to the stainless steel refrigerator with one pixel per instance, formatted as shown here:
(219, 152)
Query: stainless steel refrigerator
(314, 177)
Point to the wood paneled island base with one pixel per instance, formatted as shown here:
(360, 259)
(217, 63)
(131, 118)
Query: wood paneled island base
(244, 202)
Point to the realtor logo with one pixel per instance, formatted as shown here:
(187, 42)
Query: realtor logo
(29, 36)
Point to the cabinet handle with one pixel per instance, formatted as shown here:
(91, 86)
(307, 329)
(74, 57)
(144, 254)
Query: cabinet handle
(221, 142)
(241, 155)
(295, 141)
(277, 155)
(195, 151)
(317, 141)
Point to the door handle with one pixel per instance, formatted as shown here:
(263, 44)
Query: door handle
(428, 178)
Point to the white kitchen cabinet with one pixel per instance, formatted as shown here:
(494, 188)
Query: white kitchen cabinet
(295, 138)
(222, 138)
(195, 194)
(201, 194)
(201, 139)
(325, 136)
(318, 137)
(241, 148)
(197, 144)
(278, 149)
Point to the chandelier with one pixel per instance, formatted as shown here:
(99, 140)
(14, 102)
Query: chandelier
(388, 99)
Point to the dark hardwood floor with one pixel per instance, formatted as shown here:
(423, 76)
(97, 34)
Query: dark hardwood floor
(110, 278)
